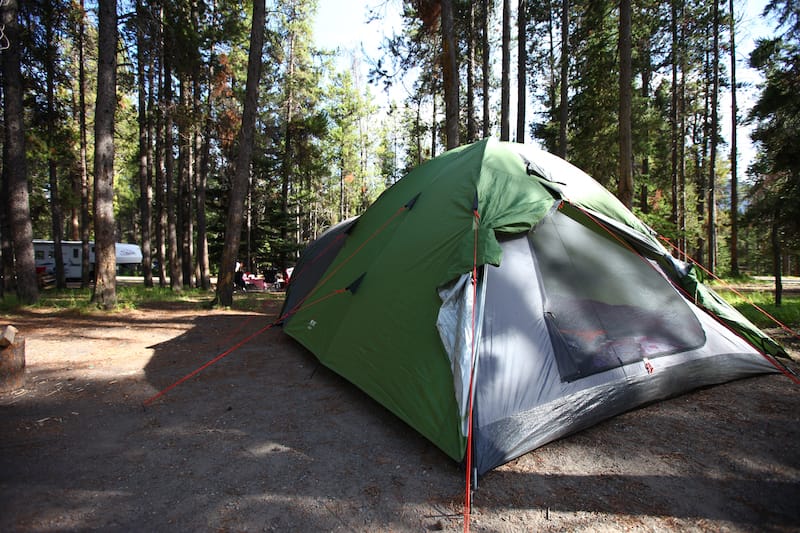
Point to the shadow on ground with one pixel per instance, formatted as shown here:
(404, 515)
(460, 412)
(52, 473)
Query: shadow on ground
(267, 439)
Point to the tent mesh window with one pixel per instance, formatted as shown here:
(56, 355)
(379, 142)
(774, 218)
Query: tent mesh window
(605, 306)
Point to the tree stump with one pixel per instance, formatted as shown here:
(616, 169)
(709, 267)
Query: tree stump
(12, 362)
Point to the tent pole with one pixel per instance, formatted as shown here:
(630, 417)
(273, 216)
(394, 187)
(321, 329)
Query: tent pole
(470, 478)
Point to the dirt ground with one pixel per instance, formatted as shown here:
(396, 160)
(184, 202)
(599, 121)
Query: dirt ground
(268, 440)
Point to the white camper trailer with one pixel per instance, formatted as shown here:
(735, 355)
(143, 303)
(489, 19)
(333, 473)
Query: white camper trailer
(72, 253)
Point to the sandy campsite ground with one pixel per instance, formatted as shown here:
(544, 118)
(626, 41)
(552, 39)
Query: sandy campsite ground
(268, 440)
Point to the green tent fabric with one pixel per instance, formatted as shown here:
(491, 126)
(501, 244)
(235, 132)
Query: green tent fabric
(708, 299)
(399, 281)
(369, 308)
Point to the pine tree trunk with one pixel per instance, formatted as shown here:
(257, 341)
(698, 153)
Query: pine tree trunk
(159, 167)
(776, 255)
(85, 213)
(203, 262)
(471, 134)
(145, 187)
(15, 168)
(673, 115)
(6, 246)
(682, 145)
(434, 115)
(105, 295)
(563, 110)
(522, 68)
(185, 178)
(74, 230)
(625, 191)
(170, 196)
(505, 74)
(160, 200)
(233, 225)
(712, 166)
(734, 154)
(485, 70)
(287, 175)
(647, 74)
(450, 76)
(552, 81)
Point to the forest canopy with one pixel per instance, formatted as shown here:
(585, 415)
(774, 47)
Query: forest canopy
(630, 92)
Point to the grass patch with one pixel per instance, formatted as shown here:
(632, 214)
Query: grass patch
(135, 296)
(129, 297)
(788, 313)
(132, 297)
(258, 302)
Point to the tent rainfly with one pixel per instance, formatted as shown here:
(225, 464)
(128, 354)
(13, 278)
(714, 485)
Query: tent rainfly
(576, 313)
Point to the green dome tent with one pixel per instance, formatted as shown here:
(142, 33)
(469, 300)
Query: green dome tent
(577, 313)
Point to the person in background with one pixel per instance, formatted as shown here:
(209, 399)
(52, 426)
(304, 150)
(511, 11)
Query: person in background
(238, 278)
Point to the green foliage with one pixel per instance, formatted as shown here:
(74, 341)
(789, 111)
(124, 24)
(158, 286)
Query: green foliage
(594, 107)
(323, 153)
(774, 195)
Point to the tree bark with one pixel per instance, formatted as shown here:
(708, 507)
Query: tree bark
(505, 74)
(522, 68)
(6, 246)
(434, 115)
(233, 225)
(471, 135)
(734, 154)
(288, 176)
(450, 76)
(776, 255)
(170, 196)
(646, 68)
(160, 162)
(15, 167)
(203, 264)
(712, 164)
(625, 190)
(673, 115)
(563, 110)
(85, 210)
(486, 72)
(185, 179)
(145, 187)
(105, 295)
(682, 145)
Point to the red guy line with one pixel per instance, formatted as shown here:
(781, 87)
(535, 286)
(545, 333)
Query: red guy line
(300, 305)
(733, 290)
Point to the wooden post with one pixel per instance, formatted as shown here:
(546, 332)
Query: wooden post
(12, 359)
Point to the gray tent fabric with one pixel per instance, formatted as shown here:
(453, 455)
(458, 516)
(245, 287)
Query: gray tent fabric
(314, 262)
(568, 341)
(455, 329)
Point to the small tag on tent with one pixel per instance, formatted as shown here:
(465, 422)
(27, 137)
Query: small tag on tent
(353, 287)
(648, 365)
